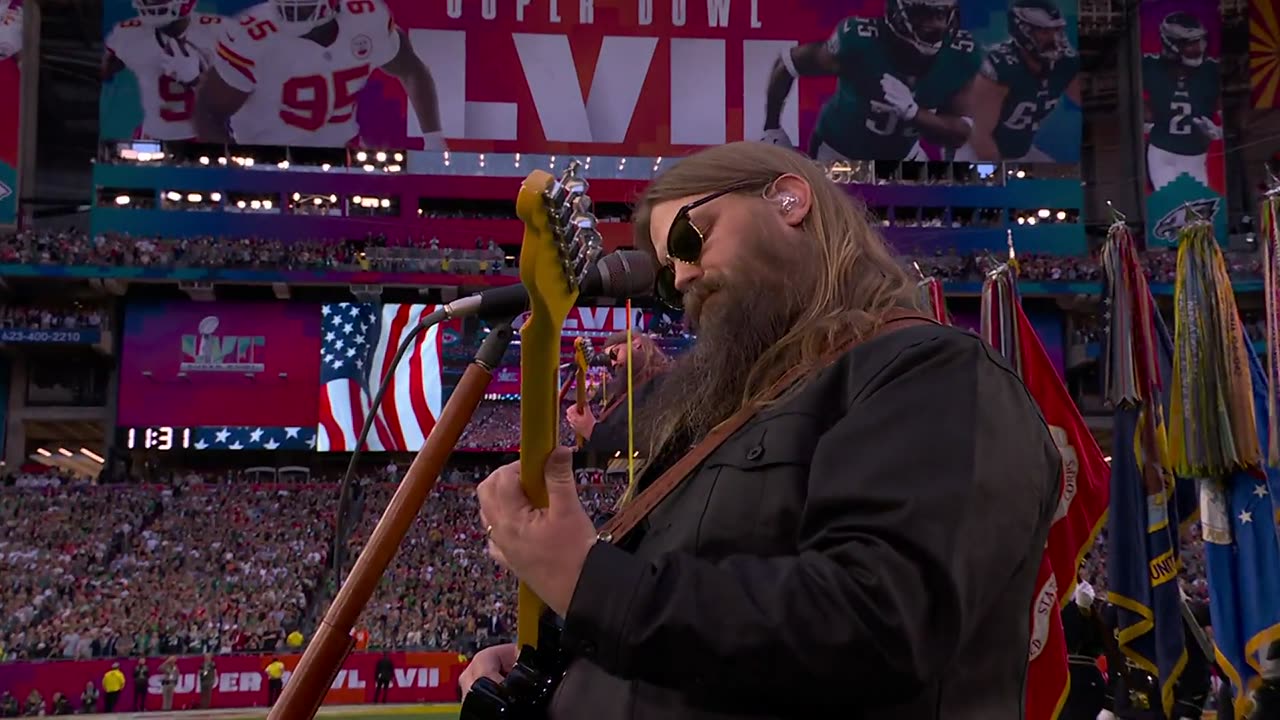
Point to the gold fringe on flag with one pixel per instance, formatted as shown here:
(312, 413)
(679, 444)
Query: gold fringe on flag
(1271, 289)
(1213, 432)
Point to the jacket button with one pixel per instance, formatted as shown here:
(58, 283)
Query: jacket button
(755, 453)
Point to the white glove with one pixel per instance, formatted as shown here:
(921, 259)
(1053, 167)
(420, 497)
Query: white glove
(777, 136)
(1084, 595)
(434, 141)
(1211, 131)
(898, 95)
(180, 62)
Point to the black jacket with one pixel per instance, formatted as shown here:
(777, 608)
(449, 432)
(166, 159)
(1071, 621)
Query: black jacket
(866, 549)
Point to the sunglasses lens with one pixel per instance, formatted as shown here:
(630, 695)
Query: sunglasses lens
(684, 242)
(666, 288)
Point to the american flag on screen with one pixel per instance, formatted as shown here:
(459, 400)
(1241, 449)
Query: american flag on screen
(359, 341)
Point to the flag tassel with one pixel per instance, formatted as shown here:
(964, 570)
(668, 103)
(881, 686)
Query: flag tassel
(1214, 431)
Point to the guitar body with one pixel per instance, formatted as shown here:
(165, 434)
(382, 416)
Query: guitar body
(560, 243)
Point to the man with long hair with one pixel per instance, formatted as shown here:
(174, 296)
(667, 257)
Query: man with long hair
(866, 546)
(608, 433)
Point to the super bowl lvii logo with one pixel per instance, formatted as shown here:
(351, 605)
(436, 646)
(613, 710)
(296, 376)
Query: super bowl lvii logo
(206, 351)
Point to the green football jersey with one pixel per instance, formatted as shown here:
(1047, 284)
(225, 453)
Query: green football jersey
(1030, 99)
(856, 121)
(1175, 94)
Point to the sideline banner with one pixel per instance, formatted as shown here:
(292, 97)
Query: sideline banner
(1182, 100)
(625, 77)
(420, 677)
(10, 107)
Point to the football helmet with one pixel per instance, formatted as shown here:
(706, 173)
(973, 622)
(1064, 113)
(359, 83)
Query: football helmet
(299, 17)
(162, 12)
(1038, 27)
(1183, 38)
(923, 24)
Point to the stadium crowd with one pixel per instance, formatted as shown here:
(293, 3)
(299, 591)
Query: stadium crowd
(97, 571)
(427, 255)
(50, 318)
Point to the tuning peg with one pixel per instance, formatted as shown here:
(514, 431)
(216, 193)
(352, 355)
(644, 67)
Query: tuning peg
(581, 216)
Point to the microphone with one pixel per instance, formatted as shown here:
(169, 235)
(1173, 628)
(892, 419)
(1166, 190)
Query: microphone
(622, 274)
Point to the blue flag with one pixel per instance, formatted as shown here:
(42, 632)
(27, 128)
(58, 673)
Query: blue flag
(1242, 555)
(1143, 545)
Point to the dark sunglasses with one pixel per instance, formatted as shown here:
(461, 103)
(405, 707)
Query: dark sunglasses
(684, 244)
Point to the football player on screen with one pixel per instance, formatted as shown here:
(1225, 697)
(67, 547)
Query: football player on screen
(907, 75)
(1180, 92)
(1029, 73)
(288, 72)
(167, 46)
(10, 29)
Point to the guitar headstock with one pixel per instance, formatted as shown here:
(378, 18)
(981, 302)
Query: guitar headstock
(580, 354)
(561, 241)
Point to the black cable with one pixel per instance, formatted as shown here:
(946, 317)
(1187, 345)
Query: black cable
(344, 491)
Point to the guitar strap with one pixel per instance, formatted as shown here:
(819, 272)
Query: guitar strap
(639, 508)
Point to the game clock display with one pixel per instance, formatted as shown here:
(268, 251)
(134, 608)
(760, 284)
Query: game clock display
(157, 438)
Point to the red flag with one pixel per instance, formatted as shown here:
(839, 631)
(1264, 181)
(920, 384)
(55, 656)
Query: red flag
(1082, 503)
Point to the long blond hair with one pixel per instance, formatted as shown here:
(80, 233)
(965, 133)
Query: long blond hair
(860, 280)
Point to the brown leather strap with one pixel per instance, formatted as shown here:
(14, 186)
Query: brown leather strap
(639, 508)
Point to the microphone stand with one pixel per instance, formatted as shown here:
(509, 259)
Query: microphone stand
(304, 693)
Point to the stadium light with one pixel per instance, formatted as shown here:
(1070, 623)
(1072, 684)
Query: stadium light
(325, 167)
(356, 199)
(92, 455)
(283, 164)
(1022, 220)
(248, 162)
(255, 205)
(204, 159)
(195, 197)
(386, 203)
(368, 168)
(382, 157)
(240, 204)
(65, 452)
(362, 156)
(1031, 221)
(297, 196)
(266, 204)
(333, 198)
(216, 197)
(1043, 213)
(393, 168)
(45, 453)
(399, 157)
(122, 200)
(1062, 215)
(1020, 174)
(317, 201)
(173, 195)
(222, 161)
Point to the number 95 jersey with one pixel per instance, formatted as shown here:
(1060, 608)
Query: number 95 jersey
(856, 121)
(301, 92)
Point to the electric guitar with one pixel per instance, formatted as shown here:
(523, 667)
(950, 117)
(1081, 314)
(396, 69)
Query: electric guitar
(560, 243)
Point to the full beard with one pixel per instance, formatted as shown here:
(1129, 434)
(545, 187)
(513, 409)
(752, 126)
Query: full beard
(737, 318)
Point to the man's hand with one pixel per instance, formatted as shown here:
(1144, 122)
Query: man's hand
(180, 63)
(583, 423)
(544, 547)
(492, 662)
(777, 136)
(1207, 126)
(899, 96)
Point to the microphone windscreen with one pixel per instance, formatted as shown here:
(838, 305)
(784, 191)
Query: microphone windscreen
(627, 274)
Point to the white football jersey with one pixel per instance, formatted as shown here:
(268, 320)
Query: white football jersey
(301, 92)
(10, 32)
(168, 106)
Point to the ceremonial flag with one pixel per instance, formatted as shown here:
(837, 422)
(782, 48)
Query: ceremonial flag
(359, 342)
(1143, 537)
(1239, 517)
(1082, 502)
(1220, 431)
(932, 299)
